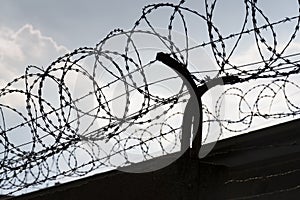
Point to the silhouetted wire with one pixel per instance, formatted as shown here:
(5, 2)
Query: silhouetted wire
(56, 134)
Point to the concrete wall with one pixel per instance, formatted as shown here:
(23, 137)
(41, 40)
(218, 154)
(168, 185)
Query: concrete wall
(264, 164)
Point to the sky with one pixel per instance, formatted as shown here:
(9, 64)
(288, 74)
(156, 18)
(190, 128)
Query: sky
(70, 24)
(36, 32)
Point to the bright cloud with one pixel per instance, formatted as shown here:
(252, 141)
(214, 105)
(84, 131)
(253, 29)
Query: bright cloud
(26, 46)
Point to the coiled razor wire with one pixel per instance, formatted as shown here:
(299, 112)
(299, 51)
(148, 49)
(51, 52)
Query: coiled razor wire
(96, 107)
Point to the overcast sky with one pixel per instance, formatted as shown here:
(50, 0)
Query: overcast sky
(71, 23)
(75, 23)
(36, 32)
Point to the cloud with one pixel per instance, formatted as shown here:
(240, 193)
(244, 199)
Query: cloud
(26, 46)
(251, 53)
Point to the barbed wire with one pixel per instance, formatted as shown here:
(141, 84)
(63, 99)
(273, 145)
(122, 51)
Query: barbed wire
(100, 107)
(271, 177)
